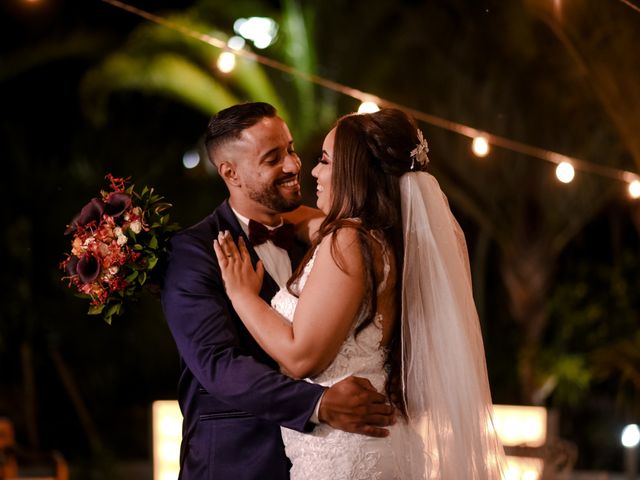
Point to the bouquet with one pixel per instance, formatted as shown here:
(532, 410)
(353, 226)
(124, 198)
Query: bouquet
(117, 241)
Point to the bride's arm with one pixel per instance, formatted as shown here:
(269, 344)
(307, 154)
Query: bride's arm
(325, 312)
(307, 221)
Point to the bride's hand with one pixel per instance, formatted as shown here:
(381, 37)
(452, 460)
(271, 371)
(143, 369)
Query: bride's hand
(238, 273)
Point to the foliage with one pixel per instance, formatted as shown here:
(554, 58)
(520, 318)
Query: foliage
(593, 338)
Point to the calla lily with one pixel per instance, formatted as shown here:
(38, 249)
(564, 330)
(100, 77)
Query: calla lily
(117, 203)
(72, 265)
(91, 212)
(88, 268)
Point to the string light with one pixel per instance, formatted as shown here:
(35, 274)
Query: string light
(368, 107)
(226, 62)
(480, 146)
(565, 172)
(631, 5)
(634, 189)
(470, 132)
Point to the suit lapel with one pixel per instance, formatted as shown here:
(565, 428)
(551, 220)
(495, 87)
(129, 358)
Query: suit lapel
(226, 215)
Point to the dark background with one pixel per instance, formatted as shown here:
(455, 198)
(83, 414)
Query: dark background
(555, 266)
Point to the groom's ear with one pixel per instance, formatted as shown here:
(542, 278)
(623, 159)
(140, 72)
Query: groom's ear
(229, 173)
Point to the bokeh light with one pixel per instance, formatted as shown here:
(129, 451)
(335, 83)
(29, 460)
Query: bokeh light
(630, 436)
(261, 31)
(226, 62)
(634, 189)
(480, 146)
(368, 107)
(565, 172)
(191, 159)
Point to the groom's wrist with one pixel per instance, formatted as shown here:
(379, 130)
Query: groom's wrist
(315, 416)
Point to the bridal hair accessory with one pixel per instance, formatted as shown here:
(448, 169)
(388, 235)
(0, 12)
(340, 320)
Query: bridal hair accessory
(419, 154)
(117, 242)
(443, 363)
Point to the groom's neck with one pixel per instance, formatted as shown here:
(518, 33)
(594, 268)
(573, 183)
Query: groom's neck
(256, 211)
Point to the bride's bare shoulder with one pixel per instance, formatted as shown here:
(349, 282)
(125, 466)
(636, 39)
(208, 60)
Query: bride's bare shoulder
(342, 246)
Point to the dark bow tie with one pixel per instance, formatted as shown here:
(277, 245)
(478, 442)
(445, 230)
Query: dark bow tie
(282, 237)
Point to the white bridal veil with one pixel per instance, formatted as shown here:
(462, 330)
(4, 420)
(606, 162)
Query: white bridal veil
(445, 374)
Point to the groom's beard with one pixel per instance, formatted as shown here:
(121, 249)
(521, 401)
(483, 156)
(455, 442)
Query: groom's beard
(271, 197)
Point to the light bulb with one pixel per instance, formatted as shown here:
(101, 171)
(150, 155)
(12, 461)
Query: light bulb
(634, 189)
(226, 62)
(480, 146)
(565, 172)
(368, 107)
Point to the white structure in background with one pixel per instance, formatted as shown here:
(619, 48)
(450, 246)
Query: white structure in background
(167, 435)
(262, 31)
(517, 426)
(520, 426)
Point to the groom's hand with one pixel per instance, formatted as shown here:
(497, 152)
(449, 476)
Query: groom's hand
(353, 405)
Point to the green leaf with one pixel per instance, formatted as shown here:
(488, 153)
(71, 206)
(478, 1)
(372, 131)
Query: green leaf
(114, 309)
(95, 309)
(132, 276)
(164, 73)
(142, 278)
(152, 262)
(137, 247)
(153, 243)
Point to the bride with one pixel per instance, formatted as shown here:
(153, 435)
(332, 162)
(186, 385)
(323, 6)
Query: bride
(383, 293)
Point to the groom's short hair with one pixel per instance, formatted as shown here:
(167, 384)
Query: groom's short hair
(229, 123)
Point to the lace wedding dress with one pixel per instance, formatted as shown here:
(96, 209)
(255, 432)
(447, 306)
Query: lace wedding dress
(327, 453)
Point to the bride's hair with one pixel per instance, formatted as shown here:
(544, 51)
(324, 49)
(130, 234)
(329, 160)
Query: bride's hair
(371, 152)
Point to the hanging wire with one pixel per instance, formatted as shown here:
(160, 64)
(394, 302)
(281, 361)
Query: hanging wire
(503, 142)
(631, 5)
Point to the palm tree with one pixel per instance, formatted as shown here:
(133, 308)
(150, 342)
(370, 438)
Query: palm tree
(160, 61)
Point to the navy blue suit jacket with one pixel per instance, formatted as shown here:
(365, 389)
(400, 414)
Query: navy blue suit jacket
(231, 394)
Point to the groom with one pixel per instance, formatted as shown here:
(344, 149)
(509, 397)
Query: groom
(231, 394)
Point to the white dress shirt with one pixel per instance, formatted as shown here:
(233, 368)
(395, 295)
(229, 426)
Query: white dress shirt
(275, 259)
(277, 263)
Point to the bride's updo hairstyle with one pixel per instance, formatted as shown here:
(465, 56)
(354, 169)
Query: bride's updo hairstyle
(371, 153)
